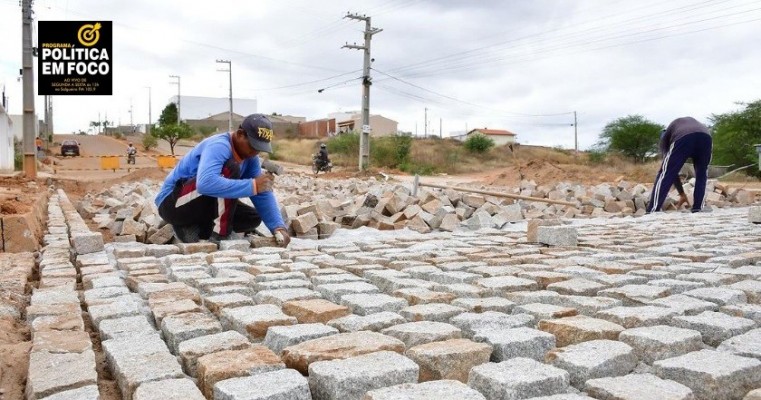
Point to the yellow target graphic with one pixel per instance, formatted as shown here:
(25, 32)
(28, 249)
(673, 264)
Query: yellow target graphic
(89, 34)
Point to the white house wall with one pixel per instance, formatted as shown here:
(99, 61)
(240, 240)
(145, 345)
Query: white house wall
(6, 141)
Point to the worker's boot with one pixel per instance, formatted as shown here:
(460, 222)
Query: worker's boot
(187, 233)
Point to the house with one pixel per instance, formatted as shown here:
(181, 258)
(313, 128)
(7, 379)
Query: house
(500, 137)
(318, 128)
(215, 123)
(7, 151)
(379, 125)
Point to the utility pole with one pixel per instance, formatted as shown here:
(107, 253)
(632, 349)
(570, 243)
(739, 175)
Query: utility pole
(425, 121)
(364, 139)
(30, 158)
(575, 134)
(441, 135)
(150, 118)
(179, 117)
(230, 71)
(131, 121)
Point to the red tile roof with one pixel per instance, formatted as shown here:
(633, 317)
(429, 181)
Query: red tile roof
(494, 132)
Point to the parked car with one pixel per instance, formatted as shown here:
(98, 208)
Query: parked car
(70, 148)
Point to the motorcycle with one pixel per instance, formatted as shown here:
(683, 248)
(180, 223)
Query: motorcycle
(131, 157)
(318, 165)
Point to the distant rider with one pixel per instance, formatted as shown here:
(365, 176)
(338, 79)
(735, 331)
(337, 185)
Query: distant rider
(131, 150)
(323, 155)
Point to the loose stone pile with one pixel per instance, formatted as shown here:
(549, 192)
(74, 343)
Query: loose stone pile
(664, 306)
(315, 208)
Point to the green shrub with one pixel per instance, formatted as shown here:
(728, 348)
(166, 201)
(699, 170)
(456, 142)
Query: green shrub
(346, 144)
(390, 151)
(149, 142)
(478, 143)
(597, 156)
(274, 156)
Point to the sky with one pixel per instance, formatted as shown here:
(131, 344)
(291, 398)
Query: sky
(523, 66)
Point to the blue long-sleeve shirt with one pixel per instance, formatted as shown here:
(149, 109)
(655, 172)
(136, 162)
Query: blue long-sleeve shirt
(205, 162)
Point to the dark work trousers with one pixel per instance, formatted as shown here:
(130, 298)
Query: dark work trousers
(185, 206)
(697, 146)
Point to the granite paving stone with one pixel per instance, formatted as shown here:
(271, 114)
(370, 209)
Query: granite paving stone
(168, 389)
(449, 359)
(422, 332)
(719, 295)
(314, 311)
(715, 327)
(417, 295)
(191, 350)
(181, 327)
(280, 337)
(545, 311)
(516, 343)
(747, 345)
(685, 305)
(637, 387)
(50, 373)
(216, 367)
(340, 346)
(472, 323)
(285, 384)
(253, 321)
(712, 374)
(633, 317)
(659, 342)
(577, 286)
(749, 311)
(215, 304)
(593, 359)
(433, 390)
(430, 312)
(366, 304)
(518, 378)
(373, 322)
(89, 392)
(352, 378)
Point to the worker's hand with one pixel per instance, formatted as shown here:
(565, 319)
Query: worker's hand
(282, 237)
(682, 200)
(263, 183)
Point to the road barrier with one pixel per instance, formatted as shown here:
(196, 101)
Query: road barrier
(113, 162)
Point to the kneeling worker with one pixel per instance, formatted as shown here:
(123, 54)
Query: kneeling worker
(200, 196)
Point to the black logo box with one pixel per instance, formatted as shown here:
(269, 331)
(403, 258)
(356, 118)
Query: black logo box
(65, 32)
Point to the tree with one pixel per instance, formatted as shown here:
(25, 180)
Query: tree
(735, 133)
(478, 143)
(168, 129)
(95, 124)
(633, 136)
(168, 115)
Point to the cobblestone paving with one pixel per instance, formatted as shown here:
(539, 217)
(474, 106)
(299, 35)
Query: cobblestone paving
(658, 307)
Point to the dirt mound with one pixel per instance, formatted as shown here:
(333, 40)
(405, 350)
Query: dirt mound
(17, 194)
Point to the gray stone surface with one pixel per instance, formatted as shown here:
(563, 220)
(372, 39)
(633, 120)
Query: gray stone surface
(434, 390)
(715, 327)
(168, 389)
(685, 305)
(634, 317)
(659, 342)
(181, 327)
(335, 291)
(372, 322)
(285, 384)
(518, 378)
(351, 378)
(720, 296)
(89, 392)
(280, 337)
(476, 305)
(366, 304)
(472, 323)
(637, 387)
(421, 332)
(450, 359)
(516, 343)
(594, 359)
(557, 235)
(191, 350)
(253, 321)
(129, 326)
(50, 373)
(437, 312)
(712, 374)
(747, 345)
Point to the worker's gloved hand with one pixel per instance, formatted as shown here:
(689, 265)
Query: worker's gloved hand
(282, 237)
(682, 200)
(263, 183)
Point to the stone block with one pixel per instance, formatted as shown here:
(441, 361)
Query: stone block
(217, 303)
(422, 332)
(89, 392)
(472, 323)
(577, 286)
(280, 337)
(168, 389)
(139, 359)
(351, 378)
(449, 359)
(216, 367)
(518, 378)
(87, 242)
(373, 322)
(165, 309)
(279, 297)
(191, 350)
(304, 223)
(435, 390)
(715, 327)
(61, 342)
(720, 296)
(747, 345)
(533, 226)
(557, 236)
(685, 304)
(121, 307)
(479, 305)
(50, 373)
(126, 326)
(335, 291)
(285, 384)
(593, 359)
(712, 374)
(253, 321)
(340, 346)
(181, 327)
(752, 289)
(430, 312)
(659, 342)
(635, 317)
(754, 214)
(498, 285)
(572, 330)
(545, 311)
(365, 304)
(638, 387)
(314, 311)
(517, 343)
